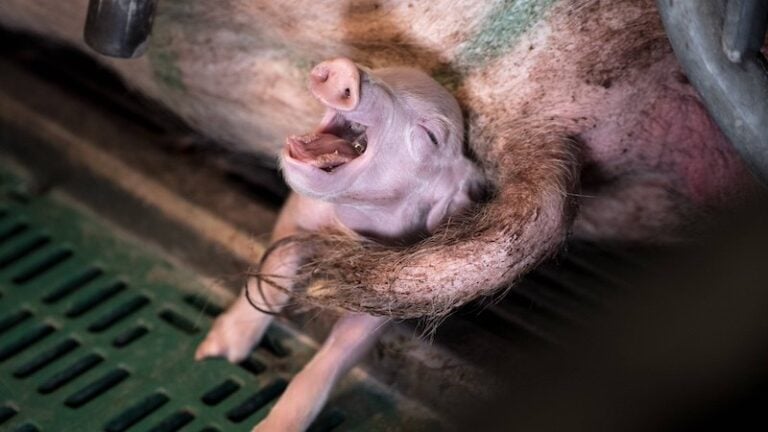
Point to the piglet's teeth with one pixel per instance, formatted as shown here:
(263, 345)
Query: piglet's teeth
(360, 144)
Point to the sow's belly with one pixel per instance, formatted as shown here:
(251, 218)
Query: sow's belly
(237, 71)
(602, 71)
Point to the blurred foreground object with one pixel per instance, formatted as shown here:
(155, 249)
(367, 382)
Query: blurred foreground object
(684, 349)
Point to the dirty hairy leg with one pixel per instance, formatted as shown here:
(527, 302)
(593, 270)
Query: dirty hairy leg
(351, 338)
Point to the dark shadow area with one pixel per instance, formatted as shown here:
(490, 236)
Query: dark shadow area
(684, 347)
(79, 75)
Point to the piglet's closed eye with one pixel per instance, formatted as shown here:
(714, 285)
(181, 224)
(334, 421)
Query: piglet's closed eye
(428, 138)
(431, 136)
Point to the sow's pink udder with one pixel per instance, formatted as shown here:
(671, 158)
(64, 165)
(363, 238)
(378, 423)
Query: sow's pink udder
(660, 127)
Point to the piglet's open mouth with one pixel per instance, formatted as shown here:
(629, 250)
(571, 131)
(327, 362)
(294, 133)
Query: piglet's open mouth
(333, 145)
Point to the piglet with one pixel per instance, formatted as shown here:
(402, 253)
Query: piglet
(386, 162)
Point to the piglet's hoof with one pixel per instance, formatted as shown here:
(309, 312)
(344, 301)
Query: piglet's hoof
(232, 337)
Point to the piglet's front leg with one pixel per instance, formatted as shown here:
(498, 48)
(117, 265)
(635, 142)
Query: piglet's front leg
(351, 338)
(242, 326)
(236, 331)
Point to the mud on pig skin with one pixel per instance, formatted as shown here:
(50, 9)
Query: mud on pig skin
(577, 111)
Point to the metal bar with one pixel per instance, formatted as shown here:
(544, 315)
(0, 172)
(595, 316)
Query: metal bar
(119, 28)
(736, 94)
(744, 28)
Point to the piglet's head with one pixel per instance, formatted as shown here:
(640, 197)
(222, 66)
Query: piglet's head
(385, 134)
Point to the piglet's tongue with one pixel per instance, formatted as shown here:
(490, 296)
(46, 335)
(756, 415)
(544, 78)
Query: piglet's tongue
(322, 150)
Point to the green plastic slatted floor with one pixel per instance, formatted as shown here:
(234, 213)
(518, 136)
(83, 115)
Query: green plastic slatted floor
(97, 334)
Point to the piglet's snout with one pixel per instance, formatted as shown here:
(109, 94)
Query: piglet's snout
(336, 83)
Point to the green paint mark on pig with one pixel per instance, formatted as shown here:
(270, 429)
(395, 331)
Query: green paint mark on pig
(166, 31)
(165, 68)
(504, 24)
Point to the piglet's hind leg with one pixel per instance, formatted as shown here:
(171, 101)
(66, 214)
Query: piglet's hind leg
(351, 338)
